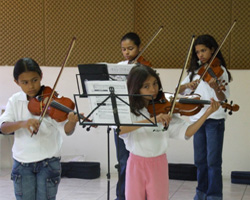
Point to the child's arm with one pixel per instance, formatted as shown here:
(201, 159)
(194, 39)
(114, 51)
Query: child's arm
(161, 118)
(69, 127)
(193, 128)
(10, 127)
(191, 85)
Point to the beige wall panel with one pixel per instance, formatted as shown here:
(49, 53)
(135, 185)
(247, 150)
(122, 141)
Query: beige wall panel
(181, 19)
(240, 42)
(21, 30)
(97, 25)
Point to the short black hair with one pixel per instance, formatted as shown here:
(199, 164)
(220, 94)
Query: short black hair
(132, 36)
(26, 65)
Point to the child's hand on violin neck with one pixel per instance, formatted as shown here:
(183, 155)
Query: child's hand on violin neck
(163, 118)
(213, 106)
(32, 125)
(73, 117)
(217, 87)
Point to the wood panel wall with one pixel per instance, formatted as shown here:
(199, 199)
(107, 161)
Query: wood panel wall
(43, 29)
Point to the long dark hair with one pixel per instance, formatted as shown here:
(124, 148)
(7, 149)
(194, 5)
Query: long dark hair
(26, 65)
(210, 43)
(132, 36)
(137, 76)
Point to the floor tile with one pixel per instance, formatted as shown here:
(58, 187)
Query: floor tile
(97, 189)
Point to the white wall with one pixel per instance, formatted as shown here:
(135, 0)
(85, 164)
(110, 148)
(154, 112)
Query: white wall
(93, 144)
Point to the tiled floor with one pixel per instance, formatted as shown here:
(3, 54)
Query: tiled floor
(96, 189)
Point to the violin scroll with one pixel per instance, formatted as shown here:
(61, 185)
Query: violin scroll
(230, 107)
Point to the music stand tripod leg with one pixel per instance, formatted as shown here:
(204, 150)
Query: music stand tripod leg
(108, 174)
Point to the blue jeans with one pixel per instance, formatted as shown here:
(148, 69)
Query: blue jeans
(122, 157)
(37, 180)
(208, 144)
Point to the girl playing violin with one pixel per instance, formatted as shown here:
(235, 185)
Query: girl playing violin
(147, 166)
(130, 46)
(208, 141)
(36, 169)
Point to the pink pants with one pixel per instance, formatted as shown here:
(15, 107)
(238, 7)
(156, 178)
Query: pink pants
(147, 178)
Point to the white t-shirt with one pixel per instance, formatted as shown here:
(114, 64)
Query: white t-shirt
(206, 93)
(125, 62)
(45, 144)
(153, 141)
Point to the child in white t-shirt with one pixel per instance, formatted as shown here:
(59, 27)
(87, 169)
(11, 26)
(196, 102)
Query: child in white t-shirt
(147, 166)
(36, 171)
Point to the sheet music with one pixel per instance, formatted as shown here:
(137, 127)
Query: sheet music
(119, 69)
(104, 114)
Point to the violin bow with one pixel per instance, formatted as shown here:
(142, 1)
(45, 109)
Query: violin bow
(55, 84)
(154, 36)
(217, 50)
(180, 79)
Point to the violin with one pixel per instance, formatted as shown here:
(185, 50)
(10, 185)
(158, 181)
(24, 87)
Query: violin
(185, 106)
(58, 108)
(164, 106)
(44, 109)
(223, 104)
(143, 61)
(214, 62)
(215, 71)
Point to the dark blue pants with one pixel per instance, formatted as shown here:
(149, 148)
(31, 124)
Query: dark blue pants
(208, 144)
(122, 157)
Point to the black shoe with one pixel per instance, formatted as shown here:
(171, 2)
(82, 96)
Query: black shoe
(117, 166)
